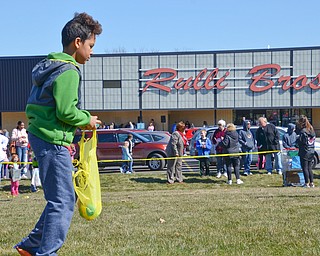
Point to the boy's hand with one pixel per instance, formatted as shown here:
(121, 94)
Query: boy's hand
(92, 125)
(94, 121)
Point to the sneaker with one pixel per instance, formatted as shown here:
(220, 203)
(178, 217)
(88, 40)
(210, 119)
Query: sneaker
(312, 185)
(219, 175)
(250, 173)
(24, 177)
(229, 182)
(306, 185)
(225, 174)
(269, 173)
(245, 173)
(239, 181)
(22, 252)
(33, 188)
(280, 172)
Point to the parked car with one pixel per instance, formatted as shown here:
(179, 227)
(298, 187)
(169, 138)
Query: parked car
(110, 140)
(281, 130)
(157, 136)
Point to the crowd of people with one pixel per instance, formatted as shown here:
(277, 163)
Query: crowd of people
(228, 143)
(17, 158)
(225, 140)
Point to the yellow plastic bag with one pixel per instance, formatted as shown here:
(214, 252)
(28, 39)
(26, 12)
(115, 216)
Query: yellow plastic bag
(86, 180)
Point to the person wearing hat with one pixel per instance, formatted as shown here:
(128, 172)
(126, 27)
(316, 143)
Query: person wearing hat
(217, 137)
(247, 142)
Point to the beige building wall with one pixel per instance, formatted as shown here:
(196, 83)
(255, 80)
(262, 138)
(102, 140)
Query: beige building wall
(117, 117)
(156, 115)
(316, 120)
(10, 120)
(195, 117)
(226, 115)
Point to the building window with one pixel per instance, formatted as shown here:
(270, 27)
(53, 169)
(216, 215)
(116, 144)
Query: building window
(111, 83)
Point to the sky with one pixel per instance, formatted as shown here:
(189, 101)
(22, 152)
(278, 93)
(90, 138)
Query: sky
(31, 28)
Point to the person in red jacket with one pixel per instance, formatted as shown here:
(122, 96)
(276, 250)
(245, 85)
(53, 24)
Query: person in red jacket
(217, 137)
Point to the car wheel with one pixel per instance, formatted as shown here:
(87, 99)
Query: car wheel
(314, 161)
(156, 163)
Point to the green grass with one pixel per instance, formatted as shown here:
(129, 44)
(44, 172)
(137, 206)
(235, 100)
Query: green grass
(144, 216)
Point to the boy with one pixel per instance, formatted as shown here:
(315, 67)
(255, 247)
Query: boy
(127, 164)
(204, 146)
(53, 111)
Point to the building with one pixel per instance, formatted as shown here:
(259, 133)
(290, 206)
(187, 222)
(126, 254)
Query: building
(279, 84)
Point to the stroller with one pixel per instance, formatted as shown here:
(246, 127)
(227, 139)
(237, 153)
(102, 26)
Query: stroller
(292, 173)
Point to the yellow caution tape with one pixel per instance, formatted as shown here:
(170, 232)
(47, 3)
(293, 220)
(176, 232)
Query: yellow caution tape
(190, 157)
(76, 162)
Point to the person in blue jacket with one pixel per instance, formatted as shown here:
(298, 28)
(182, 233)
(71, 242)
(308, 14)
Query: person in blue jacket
(204, 146)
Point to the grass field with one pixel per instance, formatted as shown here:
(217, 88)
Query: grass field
(142, 215)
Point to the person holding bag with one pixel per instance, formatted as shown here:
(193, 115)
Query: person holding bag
(54, 113)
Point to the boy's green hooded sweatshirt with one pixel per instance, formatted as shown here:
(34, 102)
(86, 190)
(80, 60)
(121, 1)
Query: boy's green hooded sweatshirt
(53, 106)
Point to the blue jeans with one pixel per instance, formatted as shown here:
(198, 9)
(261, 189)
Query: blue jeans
(277, 162)
(221, 166)
(22, 154)
(131, 166)
(55, 167)
(247, 159)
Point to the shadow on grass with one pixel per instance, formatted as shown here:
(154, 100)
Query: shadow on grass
(22, 188)
(316, 176)
(288, 196)
(186, 181)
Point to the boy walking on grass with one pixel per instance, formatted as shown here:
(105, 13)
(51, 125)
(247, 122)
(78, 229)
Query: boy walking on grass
(53, 111)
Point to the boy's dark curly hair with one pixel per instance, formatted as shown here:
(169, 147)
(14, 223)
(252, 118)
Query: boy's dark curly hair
(83, 26)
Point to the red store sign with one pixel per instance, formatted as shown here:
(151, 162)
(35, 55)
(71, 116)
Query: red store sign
(262, 73)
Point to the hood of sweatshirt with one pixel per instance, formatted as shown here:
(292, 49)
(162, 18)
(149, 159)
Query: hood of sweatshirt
(232, 134)
(245, 125)
(291, 128)
(53, 62)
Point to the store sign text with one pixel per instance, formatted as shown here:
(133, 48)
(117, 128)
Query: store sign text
(261, 73)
